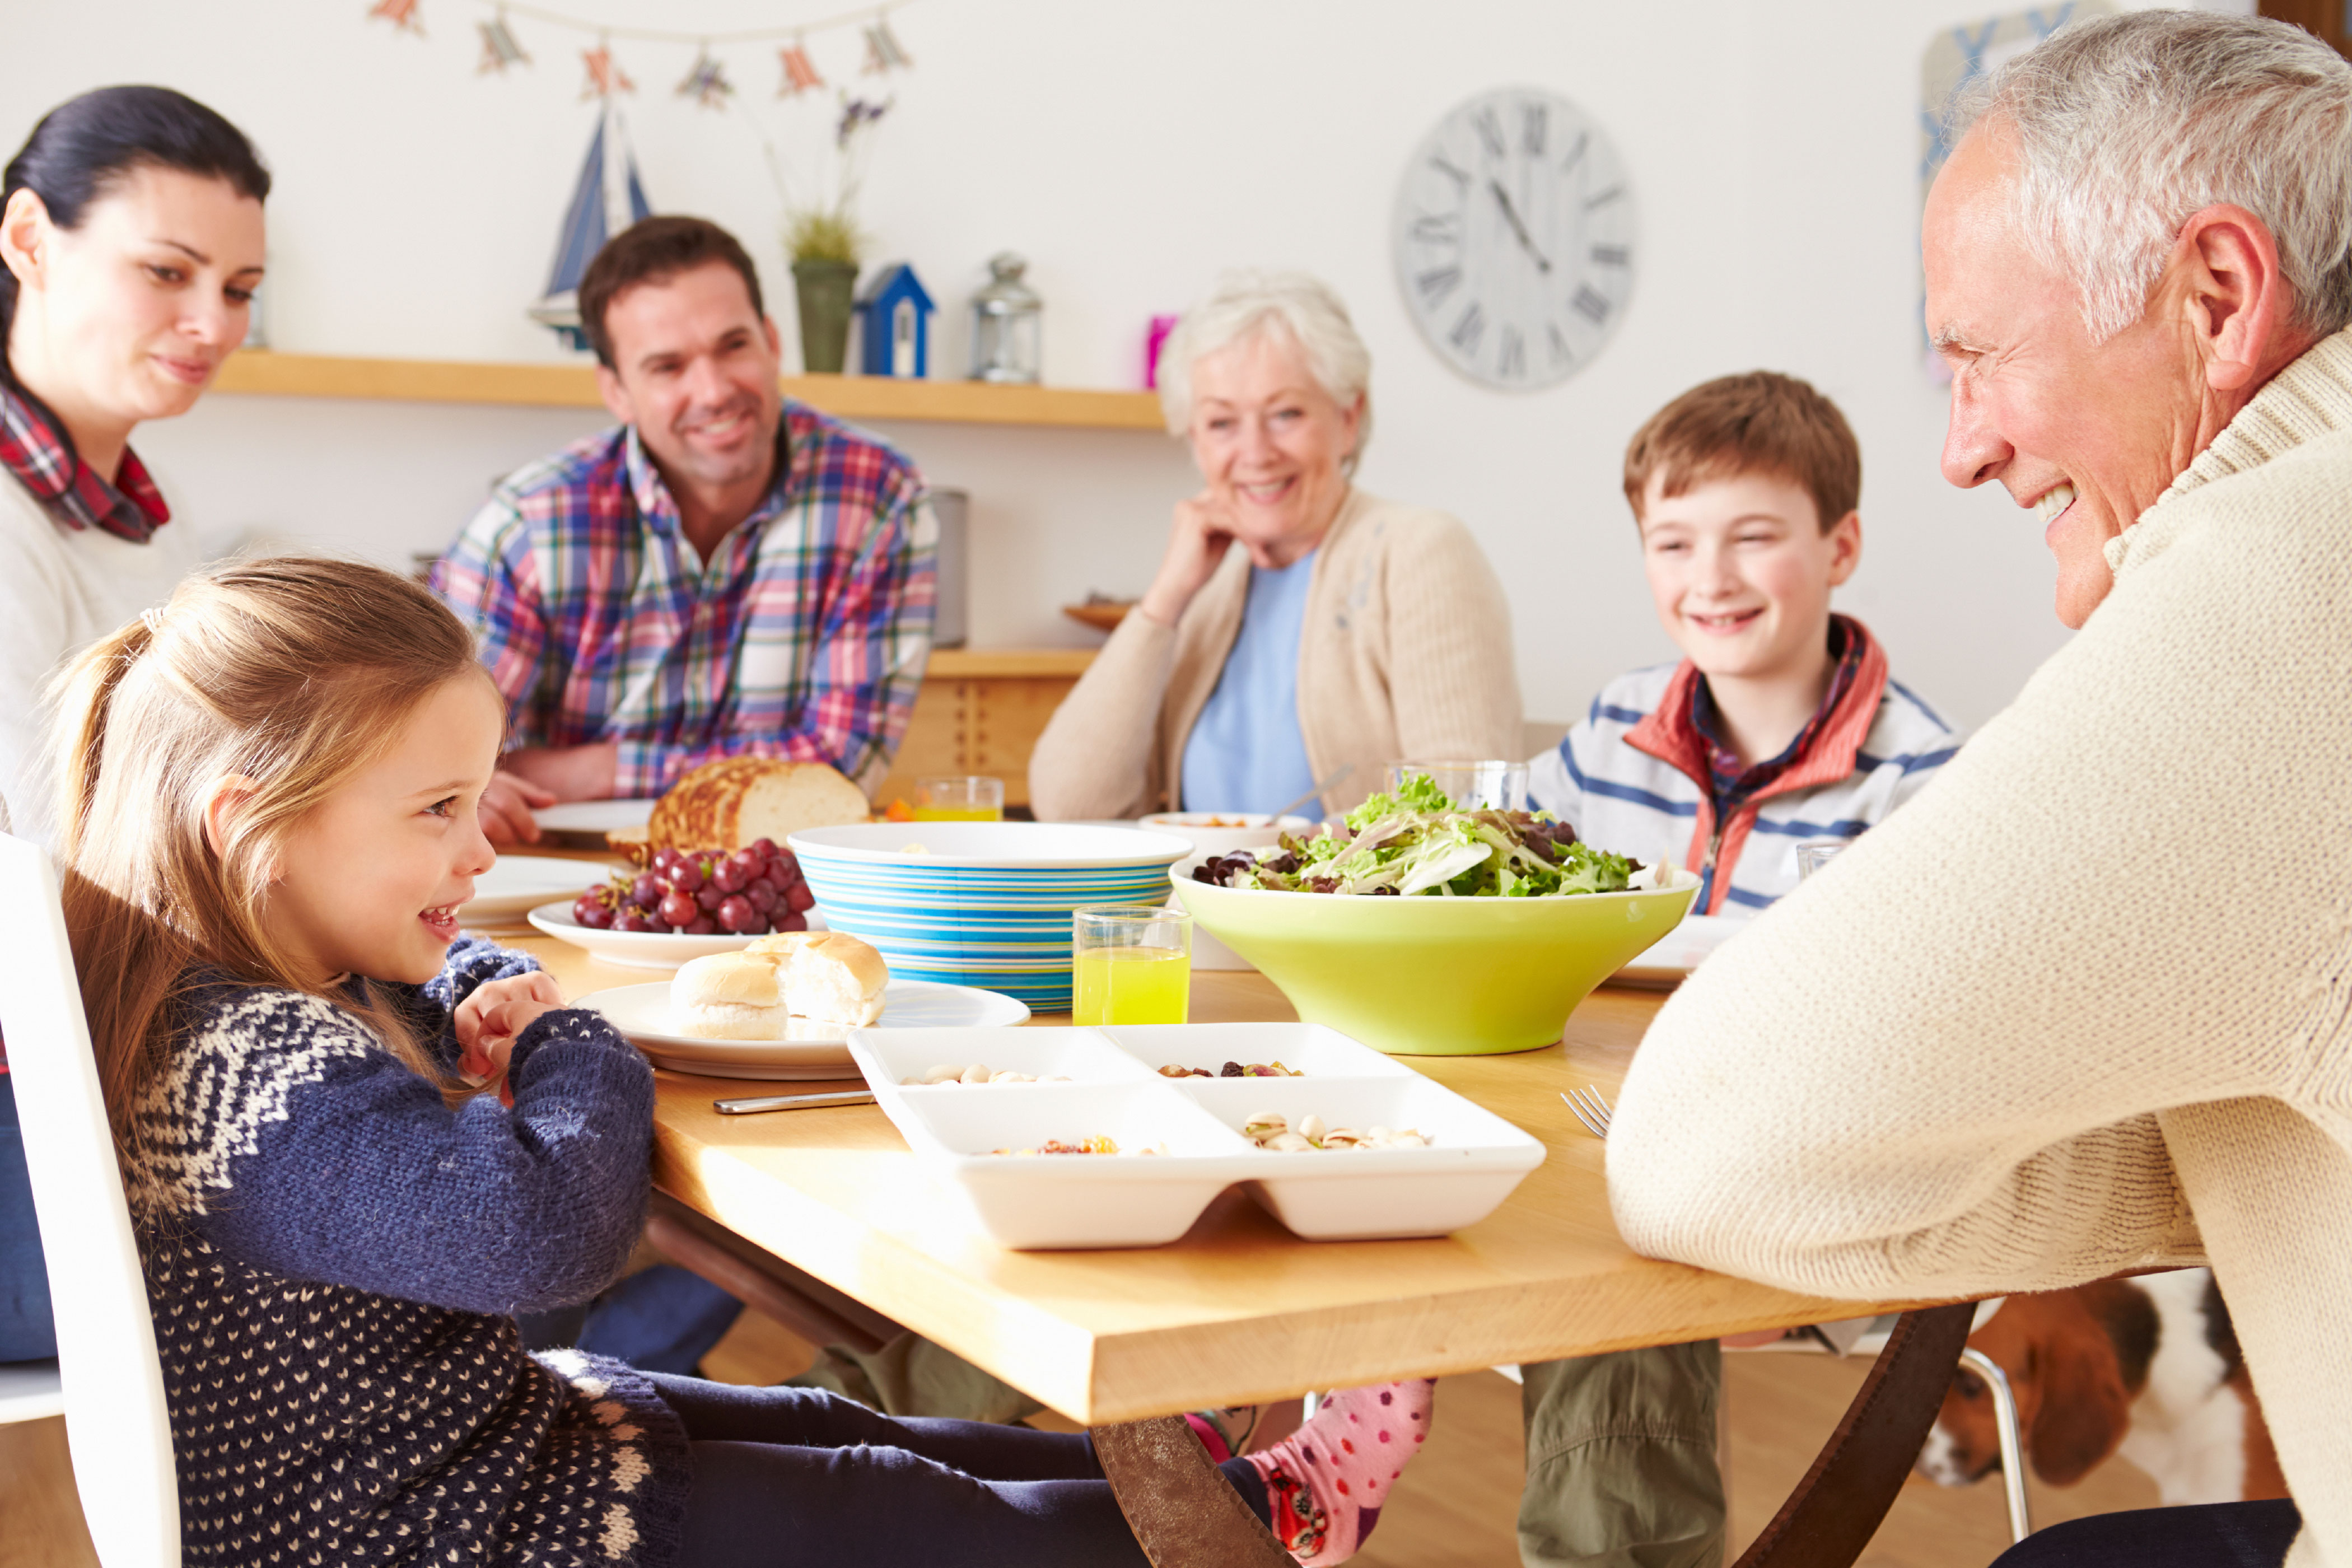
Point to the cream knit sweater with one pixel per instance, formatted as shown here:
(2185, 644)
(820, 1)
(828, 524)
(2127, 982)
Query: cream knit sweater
(61, 589)
(2087, 998)
(1406, 653)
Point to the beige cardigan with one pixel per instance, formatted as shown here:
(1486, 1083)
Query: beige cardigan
(2086, 1002)
(1406, 653)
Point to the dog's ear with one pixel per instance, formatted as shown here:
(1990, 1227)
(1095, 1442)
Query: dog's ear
(2085, 1408)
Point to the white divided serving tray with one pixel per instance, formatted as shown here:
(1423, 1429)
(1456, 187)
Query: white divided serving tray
(1474, 1160)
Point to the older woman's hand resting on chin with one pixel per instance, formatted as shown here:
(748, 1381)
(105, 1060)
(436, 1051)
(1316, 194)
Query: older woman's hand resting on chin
(1296, 625)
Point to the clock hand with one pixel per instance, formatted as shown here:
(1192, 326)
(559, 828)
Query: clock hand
(1518, 228)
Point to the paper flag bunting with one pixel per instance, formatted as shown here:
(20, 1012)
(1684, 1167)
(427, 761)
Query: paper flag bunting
(800, 72)
(605, 76)
(401, 14)
(707, 82)
(499, 49)
(883, 50)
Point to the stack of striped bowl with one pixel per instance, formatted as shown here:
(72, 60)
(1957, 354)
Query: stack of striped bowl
(980, 903)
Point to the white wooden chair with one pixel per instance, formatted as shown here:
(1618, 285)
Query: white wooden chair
(116, 1424)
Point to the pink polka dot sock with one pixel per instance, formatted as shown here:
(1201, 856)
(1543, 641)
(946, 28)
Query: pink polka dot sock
(1327, 1481)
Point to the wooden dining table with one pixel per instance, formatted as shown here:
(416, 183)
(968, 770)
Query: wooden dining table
(1238, 1311)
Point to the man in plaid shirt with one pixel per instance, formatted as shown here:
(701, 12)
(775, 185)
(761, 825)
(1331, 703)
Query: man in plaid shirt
(725, 574)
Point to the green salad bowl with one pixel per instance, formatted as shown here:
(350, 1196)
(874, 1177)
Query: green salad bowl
(1435, 976)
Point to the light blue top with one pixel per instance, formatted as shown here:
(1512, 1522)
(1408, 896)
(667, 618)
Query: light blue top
(1246, 751)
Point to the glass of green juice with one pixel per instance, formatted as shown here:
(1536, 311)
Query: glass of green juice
(972, 798)
(1132, 963)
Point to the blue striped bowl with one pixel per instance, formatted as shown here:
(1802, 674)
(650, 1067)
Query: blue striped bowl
(980, 903)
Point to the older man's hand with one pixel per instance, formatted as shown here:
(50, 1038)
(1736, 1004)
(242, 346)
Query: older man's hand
(1202, 533)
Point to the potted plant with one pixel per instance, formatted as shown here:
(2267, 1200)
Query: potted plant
(822, 240)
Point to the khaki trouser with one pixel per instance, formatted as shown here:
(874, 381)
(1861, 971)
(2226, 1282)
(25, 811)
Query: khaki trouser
(1622, 1470)
(911, 1376)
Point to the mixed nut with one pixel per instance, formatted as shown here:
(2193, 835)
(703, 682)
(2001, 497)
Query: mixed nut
(1232, 1070)
(1099, 1145)
(1271, 1130)
(978, 1072)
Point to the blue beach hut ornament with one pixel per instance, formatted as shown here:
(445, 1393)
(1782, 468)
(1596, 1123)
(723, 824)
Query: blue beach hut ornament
(607, 199)
(895, 323)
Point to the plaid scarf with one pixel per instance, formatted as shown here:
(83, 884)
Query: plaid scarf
(35, 449)
(1732, 783)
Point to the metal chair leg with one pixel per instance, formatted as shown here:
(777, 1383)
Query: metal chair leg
(2012, 1441)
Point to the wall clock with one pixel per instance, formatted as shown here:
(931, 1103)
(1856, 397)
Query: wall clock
(1514, 238)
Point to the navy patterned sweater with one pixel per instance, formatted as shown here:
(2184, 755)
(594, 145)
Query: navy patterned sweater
(334, 1259)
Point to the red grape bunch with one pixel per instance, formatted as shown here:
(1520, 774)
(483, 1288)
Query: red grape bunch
(749, 893)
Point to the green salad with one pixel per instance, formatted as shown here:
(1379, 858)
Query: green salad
(1417, 841)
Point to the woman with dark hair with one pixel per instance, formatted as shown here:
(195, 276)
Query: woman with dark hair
(131, 242)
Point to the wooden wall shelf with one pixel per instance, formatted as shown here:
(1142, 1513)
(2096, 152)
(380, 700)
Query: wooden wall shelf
(258, 371)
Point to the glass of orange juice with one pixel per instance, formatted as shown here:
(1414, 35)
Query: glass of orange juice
(972, 798)
(1131, 963)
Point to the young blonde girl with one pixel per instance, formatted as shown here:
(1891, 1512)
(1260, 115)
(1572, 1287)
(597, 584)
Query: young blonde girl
(269, 795)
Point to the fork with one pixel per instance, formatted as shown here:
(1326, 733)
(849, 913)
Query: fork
(1592, 1109)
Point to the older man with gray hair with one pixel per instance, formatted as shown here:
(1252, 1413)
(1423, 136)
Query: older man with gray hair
(2085, 1006)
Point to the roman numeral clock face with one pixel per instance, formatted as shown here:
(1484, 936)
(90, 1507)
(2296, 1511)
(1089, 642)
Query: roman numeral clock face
(1514, 238)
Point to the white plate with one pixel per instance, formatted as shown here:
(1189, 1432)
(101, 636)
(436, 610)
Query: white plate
(1132, 1199)
(641, 949)
(519, 884)
(594, 816)
(814, 1050)
(1669, 961)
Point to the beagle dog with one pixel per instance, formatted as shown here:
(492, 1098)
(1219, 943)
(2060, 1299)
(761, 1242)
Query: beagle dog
(2148, 1368)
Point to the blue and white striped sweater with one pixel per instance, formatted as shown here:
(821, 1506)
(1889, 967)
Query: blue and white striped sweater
(1625, 799)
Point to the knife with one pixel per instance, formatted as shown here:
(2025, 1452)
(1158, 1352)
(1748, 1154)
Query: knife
(791, 1102)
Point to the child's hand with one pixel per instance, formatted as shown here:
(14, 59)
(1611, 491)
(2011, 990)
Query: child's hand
(489, 1020)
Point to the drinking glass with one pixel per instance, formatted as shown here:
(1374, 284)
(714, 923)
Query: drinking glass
(1131, 963)
(1471, 784)
(972, 798)
(1816, 853)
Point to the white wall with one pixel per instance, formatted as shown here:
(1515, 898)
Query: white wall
(1131, 150)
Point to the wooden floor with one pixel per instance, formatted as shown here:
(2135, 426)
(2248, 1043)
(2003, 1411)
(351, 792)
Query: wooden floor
(1454, 1509)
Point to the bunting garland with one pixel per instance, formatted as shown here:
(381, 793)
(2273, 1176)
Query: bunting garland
(604, 77)
(800, 71)
(883, 51)
(706, 81)
(401, 14)
(499, 49)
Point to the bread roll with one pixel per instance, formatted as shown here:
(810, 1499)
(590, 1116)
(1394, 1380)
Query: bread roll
(728, 996)
(738, 800)
(828, 975)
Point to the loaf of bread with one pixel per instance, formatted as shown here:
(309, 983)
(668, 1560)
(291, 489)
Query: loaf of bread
(738, 800)
(828, 975)
(728, 996)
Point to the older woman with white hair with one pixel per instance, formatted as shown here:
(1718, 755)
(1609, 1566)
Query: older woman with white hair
(2085, 1006)
(1297, 624)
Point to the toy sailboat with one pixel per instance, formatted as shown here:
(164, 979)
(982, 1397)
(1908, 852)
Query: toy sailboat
(607, 199)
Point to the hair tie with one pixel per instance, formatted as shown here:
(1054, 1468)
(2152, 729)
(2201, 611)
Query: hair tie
(155, 619)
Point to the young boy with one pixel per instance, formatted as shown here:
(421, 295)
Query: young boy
(1780, 725)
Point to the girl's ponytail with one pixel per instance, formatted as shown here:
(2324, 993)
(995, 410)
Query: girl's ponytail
(129, 964)
(83, 696)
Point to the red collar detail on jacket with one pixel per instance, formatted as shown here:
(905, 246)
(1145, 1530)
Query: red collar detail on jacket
(1667, 733)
